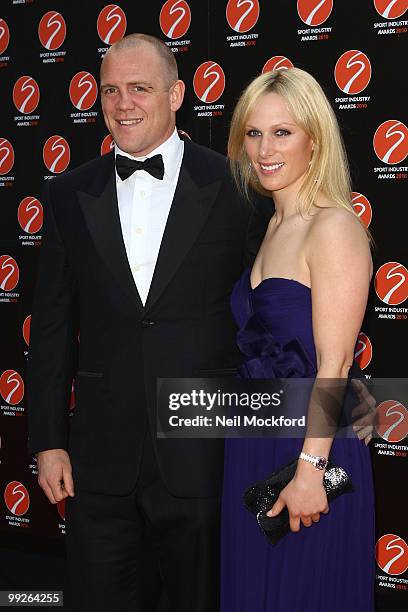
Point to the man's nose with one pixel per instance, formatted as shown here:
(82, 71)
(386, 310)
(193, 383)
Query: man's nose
(125, 100)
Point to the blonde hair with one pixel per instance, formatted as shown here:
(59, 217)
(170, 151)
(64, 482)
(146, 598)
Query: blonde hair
(328, 172)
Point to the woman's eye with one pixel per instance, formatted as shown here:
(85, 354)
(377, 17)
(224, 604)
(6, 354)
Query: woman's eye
(253, 133)
(282, 132)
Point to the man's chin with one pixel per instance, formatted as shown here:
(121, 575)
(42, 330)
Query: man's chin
(125, 144)
(129, 146)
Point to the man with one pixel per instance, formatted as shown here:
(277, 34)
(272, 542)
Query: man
(142, 265)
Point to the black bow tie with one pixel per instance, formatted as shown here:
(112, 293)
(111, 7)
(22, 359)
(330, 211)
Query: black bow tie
(125, 166)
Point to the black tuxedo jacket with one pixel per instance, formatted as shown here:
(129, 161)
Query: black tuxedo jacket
(85, 286)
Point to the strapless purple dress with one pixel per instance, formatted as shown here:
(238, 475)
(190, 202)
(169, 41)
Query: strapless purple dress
(328, 567)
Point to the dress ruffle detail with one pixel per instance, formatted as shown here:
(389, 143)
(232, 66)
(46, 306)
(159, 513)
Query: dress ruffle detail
(267, 358)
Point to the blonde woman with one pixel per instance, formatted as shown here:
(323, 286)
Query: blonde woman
(299, 310)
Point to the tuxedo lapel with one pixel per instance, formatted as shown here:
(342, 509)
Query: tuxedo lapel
(100, 209)
(189, 210)
(196, 191)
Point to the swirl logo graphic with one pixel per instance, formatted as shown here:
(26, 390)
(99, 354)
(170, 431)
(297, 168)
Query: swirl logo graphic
(26, 95)
(108, 144)
(391, 283)
(184, 135)
(30, 215)
(16, 498)
(175, 18)
(391, 9)
(391, 141)
(72, 396)
(52, 30)
(26, 330)
(83, 90)
(9, 273)
(61, 508)
(11, 387)
(209, 82)
(111, 24)
(56, 154)
(314, 12)
(4, 36)
(362, 207)
(277, 62)
(391, 553)
(392, 421)
(363, 351)
(242, 15)
(352, 72)
(6, 156)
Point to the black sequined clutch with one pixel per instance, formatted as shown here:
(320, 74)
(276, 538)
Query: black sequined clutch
(260, 498)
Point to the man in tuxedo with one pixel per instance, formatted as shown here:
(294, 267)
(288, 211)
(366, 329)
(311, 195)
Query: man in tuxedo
(139, 258)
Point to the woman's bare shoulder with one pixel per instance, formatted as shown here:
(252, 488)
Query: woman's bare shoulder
(334, 224)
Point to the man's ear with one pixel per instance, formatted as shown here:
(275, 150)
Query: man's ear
(177, 95)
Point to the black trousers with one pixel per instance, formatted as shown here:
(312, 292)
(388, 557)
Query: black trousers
(128, 553)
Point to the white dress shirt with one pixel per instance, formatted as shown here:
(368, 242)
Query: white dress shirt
(144, 205)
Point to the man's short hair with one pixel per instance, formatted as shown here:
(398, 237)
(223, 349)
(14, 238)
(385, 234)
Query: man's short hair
(170, 72)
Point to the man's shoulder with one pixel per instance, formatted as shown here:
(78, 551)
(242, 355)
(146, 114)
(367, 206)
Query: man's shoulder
(204, 161)
(87, 173)
(204, 152)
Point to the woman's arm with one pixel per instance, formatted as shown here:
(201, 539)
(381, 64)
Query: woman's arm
(338, 256)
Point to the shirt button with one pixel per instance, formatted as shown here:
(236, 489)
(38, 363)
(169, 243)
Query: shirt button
(138, 231)
(142, 193)
(145, 323)
(136, 268)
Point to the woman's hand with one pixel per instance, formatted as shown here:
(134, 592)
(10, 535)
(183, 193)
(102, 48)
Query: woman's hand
(304, 497)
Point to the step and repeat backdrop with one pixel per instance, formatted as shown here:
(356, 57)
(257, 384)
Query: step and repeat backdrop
(51, 122)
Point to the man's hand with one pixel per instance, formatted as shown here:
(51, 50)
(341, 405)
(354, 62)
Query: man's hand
(363, 414)
(55, 474)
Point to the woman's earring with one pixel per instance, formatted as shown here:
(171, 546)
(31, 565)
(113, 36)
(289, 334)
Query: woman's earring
(311, 157)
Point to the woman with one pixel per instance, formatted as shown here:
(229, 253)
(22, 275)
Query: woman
(309, 284)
